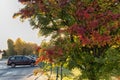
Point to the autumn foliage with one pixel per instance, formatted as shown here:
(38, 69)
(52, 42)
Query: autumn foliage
(91, 28)
(94, 25)
(49, 55)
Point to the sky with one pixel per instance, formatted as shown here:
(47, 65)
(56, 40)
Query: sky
(11, 28)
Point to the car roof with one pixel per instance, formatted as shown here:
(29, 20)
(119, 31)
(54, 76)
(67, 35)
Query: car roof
(17, 56)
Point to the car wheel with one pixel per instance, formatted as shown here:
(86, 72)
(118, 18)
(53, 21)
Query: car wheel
(12, 65)
(32, 64)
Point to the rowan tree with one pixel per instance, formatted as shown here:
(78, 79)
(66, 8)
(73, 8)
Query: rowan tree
(91, 31)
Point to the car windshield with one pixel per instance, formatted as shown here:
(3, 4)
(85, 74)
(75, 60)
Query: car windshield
(29, 57)
(32, 57)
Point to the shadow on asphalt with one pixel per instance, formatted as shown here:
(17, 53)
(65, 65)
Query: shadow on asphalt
(19, 67)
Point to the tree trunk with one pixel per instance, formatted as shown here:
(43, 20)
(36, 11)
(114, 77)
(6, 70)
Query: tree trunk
(57, 73)
(91, 75)
(61, 72)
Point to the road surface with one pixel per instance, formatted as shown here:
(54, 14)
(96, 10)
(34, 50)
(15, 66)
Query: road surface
(17, 73)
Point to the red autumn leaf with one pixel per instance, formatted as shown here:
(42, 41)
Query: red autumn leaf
(76, 29)
(27, 12)
(86, 15)
(93, 24)
(38, 49)
(49, 52)
(90, 9)
(40, 59)
(85, 41)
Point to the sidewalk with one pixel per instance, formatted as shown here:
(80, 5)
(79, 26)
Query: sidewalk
(37, 77)
(42, 77)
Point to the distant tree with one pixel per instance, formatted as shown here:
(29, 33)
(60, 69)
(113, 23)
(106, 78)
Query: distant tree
(20, 46)
(4, 53)
(24, 48)
(10, 50)
(30, 48)
(0, 51)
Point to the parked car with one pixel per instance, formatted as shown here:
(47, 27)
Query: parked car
(20, 60)
(33, 56)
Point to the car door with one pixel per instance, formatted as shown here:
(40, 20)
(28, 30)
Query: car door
(18, 60)
(26, 60)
